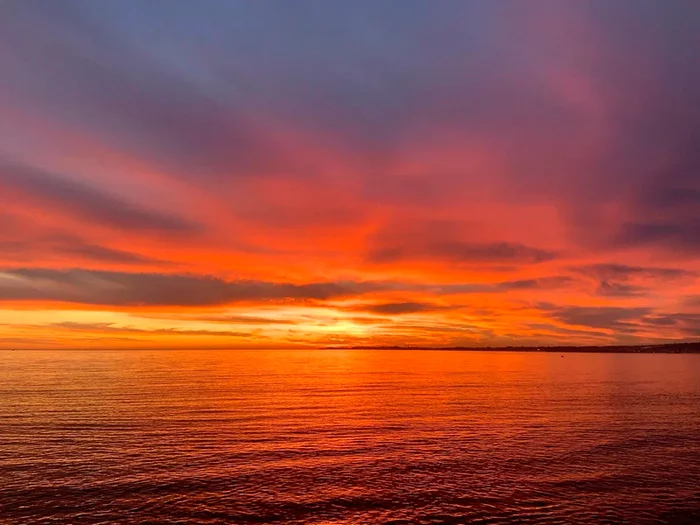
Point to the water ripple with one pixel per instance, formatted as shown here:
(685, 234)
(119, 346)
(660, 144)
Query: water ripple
(393, 438)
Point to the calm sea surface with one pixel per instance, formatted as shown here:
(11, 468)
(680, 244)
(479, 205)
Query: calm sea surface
(348, 437)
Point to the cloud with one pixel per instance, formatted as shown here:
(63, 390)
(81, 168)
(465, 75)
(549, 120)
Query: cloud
(243, 319)
(149, 289)
(105, 83)
(222, 319)
(371, 320)
(462, 252)
(606, 317)
(114, 329)
(115, 288)
(682, 237)
(621, 272)
(70, 247)
(25, 342)
(402, 308)
(626, 325)
(443, 241)
(83, 202)
(619, 280)
(683, 324)
(552, 329)
(542, 283)
(691, 301)
(77, 249)
(613, 289)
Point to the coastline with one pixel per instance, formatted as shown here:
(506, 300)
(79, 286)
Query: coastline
(667, 348)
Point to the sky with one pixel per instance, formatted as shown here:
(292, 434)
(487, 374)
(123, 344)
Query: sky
(239, 174)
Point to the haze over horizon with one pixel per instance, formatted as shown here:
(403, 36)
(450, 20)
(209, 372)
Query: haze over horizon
(234, 174)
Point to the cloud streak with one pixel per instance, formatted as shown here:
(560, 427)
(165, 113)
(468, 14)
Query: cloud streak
(83, 202)
(142, 289)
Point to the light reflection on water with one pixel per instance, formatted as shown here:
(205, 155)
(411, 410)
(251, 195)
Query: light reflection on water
(348, 437)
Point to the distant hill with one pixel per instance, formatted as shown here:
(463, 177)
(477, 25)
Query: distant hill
(668, 348)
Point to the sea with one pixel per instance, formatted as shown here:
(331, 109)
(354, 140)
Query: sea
(348, 437)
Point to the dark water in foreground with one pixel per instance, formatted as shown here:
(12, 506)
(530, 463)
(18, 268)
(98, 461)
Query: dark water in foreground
(348, 437)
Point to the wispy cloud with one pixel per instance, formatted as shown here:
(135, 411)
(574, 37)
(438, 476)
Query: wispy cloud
(143, 289)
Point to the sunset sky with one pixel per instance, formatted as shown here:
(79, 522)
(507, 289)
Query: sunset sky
(227, 174)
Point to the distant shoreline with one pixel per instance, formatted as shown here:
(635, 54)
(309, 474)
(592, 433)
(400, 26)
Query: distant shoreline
(668, 348)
